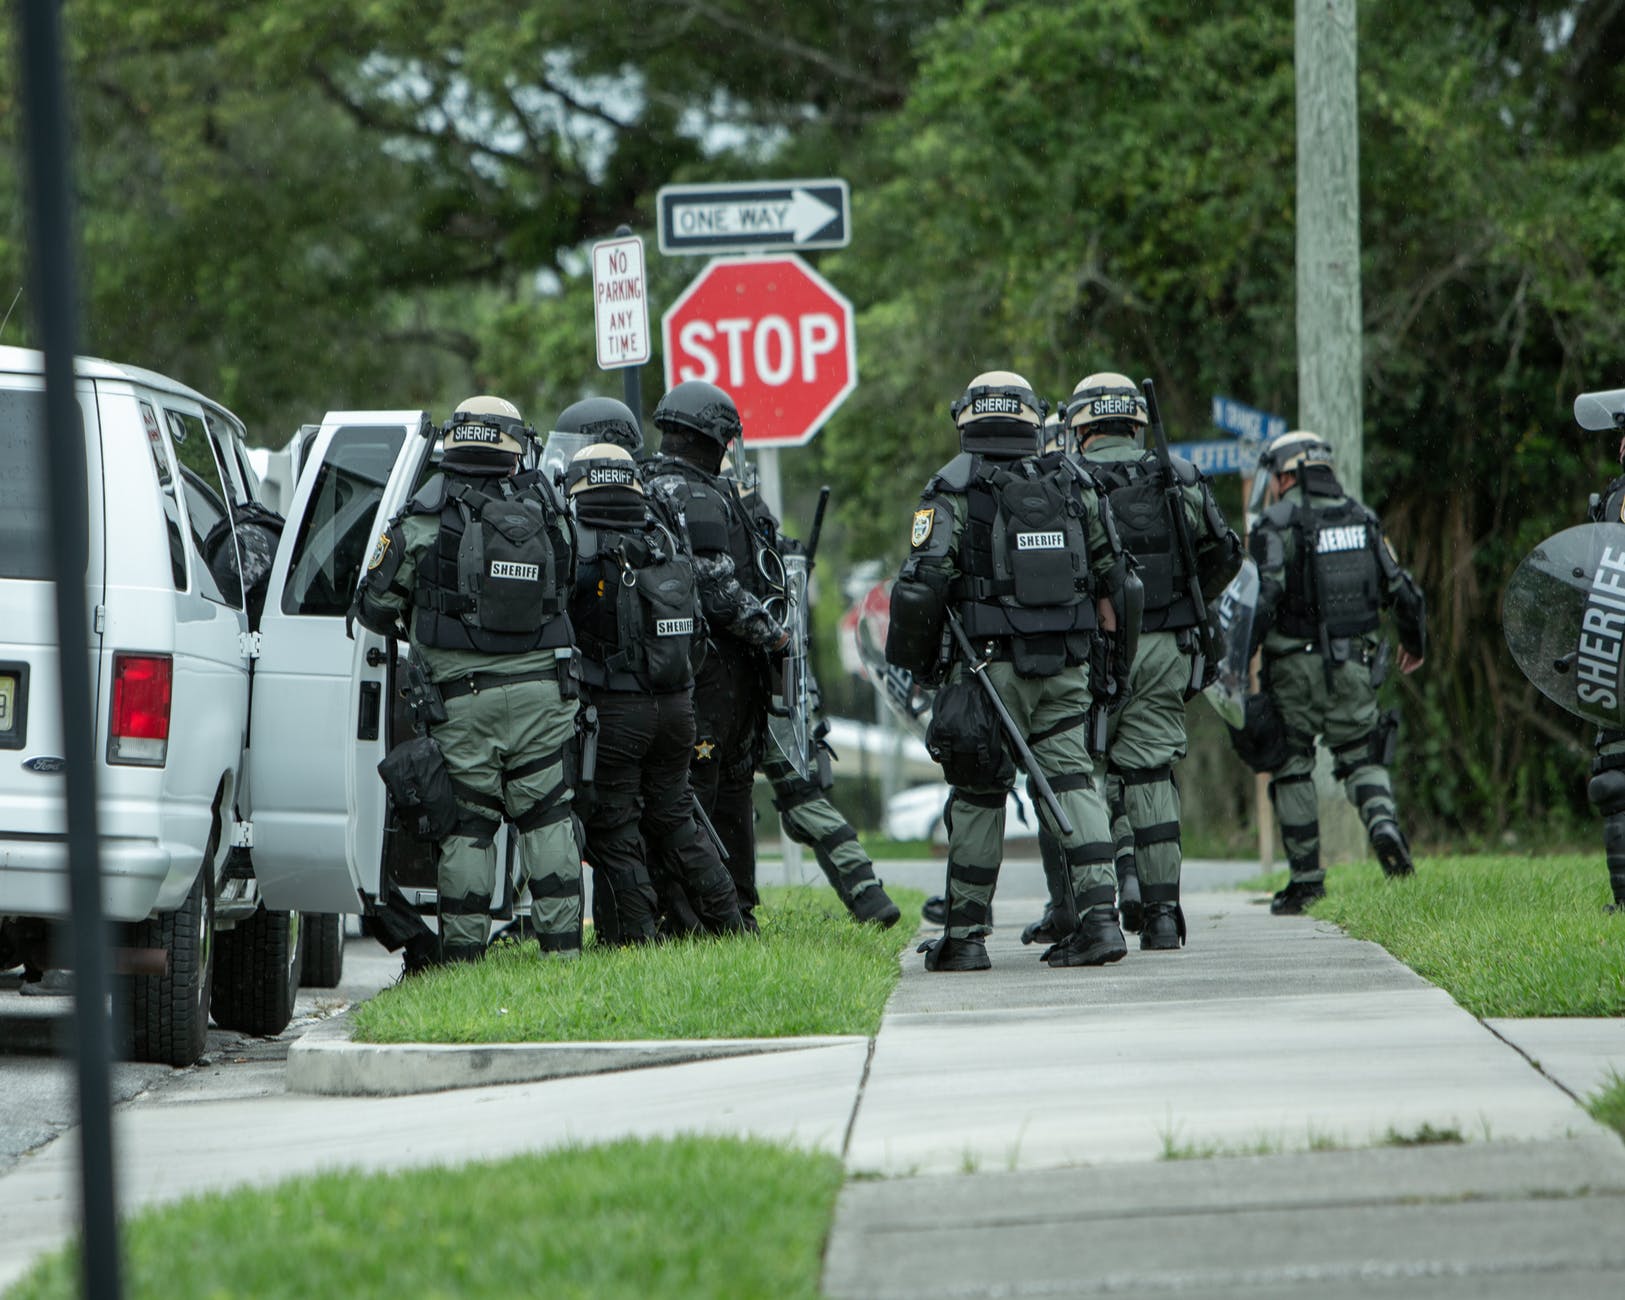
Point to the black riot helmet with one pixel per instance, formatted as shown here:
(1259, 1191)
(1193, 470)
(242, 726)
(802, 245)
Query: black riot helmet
(601, 419)
(695, 406)
(999, 415)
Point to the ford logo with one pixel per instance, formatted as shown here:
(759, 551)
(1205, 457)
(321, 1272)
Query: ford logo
(47, 764)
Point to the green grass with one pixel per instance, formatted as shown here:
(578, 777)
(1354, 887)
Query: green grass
(811, 971)
(881, 849)
(1608, 1105)
(1177, 1147)
(1504, 936)
(685, 1217)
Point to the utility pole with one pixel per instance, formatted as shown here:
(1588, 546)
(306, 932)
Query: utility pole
(1330, 358)
(1330, 352)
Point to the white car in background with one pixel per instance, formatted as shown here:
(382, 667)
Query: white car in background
(916, 814)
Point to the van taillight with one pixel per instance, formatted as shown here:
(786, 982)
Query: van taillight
(141, 689)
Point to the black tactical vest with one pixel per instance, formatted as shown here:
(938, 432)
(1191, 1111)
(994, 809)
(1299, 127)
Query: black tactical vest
(1334, 578)
(715, 518)
(1024, 561)
(494, 580)
(1139, 502)
(636, 608)
(1608, 506)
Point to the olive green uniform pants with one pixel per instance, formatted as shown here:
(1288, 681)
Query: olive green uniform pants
(811, 819)
(1145, 738)
(1051, 713)
(505, 749)
(1342, 710)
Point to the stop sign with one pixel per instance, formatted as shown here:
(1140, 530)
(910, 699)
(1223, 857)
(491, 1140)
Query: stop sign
(772, 332)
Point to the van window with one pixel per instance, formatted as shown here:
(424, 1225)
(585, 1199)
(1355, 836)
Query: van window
(167, 492)
(335, 535)
(25, 519)
(207, 511)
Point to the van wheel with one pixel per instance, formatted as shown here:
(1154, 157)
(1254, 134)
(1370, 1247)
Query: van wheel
(169, 1013)
(256, 973)
(323, 935)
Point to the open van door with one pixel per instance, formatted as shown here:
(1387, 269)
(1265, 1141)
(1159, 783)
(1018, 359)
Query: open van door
(320, 701)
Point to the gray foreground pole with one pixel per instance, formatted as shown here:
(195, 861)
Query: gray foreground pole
(54, 289)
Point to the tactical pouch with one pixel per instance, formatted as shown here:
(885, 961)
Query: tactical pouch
(1038, 656)
(587, 725)
(914, 631)
(1385, 746)
(966, 739)
(1261, 740)
(419, 786)
(421, 695)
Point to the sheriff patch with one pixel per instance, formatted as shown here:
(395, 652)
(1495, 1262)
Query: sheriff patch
(380, 549)
(611, 477)
(674, 627)
(1040, 541)
(1348, 538)
(923, 520)
(1115, 404)
(998, 404)
(509, 569)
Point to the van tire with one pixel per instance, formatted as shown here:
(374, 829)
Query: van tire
(169, 1013)
(256, 973)
(322, 934)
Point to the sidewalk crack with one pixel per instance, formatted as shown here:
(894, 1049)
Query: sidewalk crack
(1539, 1069)
(857, 1102)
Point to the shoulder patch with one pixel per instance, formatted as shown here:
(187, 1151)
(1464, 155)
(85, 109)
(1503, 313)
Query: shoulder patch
(379, 550)
(923, 521)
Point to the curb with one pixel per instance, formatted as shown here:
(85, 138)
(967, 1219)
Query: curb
(326, 1063)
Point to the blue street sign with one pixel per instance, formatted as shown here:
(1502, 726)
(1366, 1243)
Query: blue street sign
(1246, 421)
(1219, 456)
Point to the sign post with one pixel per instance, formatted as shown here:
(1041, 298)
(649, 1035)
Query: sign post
(620, 310)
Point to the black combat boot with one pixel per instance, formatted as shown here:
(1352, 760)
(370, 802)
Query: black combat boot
(874, 906)
(471, 953)
(1097, 941)
(1164, 929)
(1128, 894)
(955, 954)
(1613, 843)
(1292, 900)
(1048, 928)
(1392, 849)
(935, 910)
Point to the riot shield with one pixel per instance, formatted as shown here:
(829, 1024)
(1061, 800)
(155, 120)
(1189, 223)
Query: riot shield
(1564, 620)
(907, 699)
(1598, 412)
(789, 713)
(558, 450)
(1236, 607)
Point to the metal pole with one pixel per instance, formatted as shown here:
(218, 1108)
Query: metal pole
(632, 376)
(54, 294)
(771, 488)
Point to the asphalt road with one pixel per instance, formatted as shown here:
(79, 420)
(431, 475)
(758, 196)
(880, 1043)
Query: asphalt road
(38, 1101)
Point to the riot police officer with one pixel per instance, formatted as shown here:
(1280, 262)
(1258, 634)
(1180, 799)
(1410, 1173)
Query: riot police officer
(1326, 573)
(1021, 551)
(1107, 417)
(803, 802)
(698, 422)
(1606, 789)
(636, 612)
(475, 572)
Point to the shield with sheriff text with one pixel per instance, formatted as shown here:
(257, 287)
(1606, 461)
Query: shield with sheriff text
(1233, 614)
(1564, 619)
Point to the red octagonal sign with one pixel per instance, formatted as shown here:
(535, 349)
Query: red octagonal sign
(775, 334)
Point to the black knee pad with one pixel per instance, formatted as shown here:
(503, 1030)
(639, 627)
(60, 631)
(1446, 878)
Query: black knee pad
(1607, 792)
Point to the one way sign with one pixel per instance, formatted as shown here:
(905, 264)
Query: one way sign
(754, 217)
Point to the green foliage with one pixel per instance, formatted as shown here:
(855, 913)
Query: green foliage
(811, 971)
(686, 1216)
(1608, 1104)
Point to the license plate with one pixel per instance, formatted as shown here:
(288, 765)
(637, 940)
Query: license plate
(8, 702)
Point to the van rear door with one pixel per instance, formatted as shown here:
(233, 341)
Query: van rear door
(311, 726)
(31, 745)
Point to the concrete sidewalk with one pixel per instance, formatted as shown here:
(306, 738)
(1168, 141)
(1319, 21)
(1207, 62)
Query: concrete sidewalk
(1084, 1101)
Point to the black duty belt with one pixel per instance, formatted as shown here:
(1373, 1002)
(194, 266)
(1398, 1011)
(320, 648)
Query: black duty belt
(474, 683)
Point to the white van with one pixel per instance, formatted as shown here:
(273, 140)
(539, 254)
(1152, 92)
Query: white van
(172, 651)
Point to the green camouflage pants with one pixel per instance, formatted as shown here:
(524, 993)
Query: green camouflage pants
(1050, 712)
(1344, 713)
(505, 750)
(1146, 737)
(811, 819)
